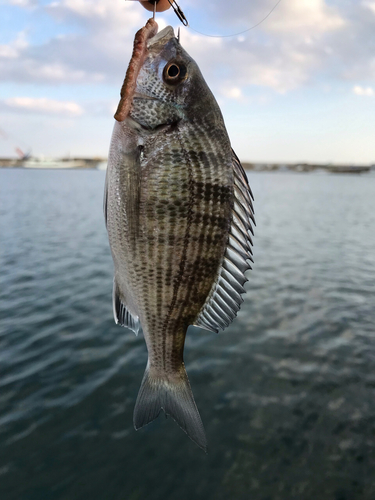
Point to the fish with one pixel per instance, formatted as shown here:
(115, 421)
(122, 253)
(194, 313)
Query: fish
(179, 216)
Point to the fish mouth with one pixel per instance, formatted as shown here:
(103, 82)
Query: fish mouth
(163, 36)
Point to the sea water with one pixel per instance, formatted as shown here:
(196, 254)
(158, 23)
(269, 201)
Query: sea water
(286, 393)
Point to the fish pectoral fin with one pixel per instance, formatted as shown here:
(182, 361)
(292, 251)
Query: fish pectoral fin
(173, 394)
(224, 299)
(122, 314)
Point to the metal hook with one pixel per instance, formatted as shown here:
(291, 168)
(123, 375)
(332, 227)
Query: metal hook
(178, 12)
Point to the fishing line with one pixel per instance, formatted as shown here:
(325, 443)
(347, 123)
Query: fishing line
(178, 11)
(241, 32)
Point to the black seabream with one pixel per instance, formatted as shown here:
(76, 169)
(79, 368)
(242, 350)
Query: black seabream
(179, 214)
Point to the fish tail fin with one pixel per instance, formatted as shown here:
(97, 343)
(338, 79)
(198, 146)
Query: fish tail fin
(173, 394)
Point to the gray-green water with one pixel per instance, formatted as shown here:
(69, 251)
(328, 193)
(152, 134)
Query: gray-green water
(286, 393)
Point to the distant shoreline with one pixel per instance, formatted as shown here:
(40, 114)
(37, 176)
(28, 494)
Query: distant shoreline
(54, 163)
(101, 164)
(309, 167)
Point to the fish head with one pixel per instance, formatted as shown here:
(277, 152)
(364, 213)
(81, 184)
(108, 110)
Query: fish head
(169, 86)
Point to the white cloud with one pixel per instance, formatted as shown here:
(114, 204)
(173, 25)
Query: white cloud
(288, 16)
(23, 3)
(297, 17)
(62, 72)
(8, 52)
(315, 44)
(285, 52)
(229, 63)
(98, 50)
(369, 5)
(44, 105)
(233, 93)
(368, 91)
(13, 49)
(299, 40)
(119, 15)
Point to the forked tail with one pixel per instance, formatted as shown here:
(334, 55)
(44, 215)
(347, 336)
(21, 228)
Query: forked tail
(173, 394)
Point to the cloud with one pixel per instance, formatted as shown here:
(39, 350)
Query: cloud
(24, 3)
(8, 52)
(296, 17)
(283, 53)
(227, 63)
(233, 93)
(13, 49)
(301, 40)
(284, 57)
(76, 52)
(368, 91)
(288, 16)
(98, 49)
(369, 5)
(44, 106)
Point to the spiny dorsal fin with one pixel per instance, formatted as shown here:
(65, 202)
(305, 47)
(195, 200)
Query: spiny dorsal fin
(122, 314)
(225, 299)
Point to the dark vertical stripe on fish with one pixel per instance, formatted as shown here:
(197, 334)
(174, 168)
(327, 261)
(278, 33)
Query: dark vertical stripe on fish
(178, 279)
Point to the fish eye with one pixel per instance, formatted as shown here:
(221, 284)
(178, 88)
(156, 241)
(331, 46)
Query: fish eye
(174, 72)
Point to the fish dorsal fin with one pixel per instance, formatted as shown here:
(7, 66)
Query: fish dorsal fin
(122, 314)
(224, 300)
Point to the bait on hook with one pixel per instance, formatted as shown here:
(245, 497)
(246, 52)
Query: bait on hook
(177, 9)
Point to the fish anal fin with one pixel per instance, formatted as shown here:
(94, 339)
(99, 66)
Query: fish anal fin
(172, 393)
(121, 312)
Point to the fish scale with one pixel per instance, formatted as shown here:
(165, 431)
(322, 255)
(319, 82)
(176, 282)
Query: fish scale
(165, 222)
(178, 210)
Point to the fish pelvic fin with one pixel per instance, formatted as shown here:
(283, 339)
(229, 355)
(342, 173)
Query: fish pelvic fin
(172, 393)
(121, 312)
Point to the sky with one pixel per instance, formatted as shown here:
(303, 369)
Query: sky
(300, 87)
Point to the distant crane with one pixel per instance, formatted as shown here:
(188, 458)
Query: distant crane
(20, 153)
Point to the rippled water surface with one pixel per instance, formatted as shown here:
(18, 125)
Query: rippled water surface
(286, 393)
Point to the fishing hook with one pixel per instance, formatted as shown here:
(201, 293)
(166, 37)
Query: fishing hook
(178, 12)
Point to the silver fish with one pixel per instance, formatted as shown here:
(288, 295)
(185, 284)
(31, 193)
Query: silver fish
(179, 213)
